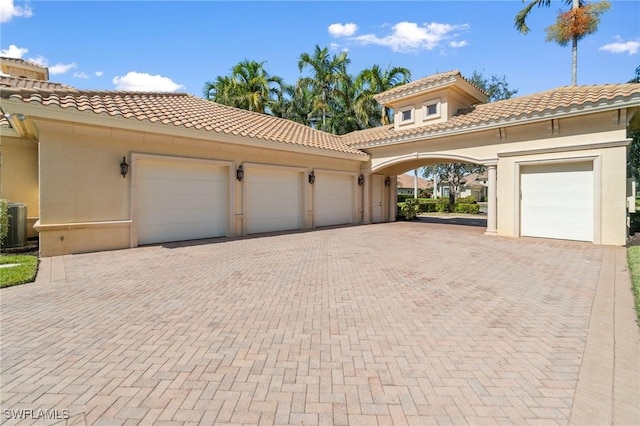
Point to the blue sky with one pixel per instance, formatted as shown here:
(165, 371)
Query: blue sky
(178, 46)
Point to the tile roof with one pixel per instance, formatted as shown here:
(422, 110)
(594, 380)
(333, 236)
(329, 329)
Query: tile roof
(424, 83)
(18, 61)
(407, 181)
(27, 83)
(560, 101)
(181, 110)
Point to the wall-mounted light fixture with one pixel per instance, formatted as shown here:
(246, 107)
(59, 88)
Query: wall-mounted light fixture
(240, 173)
(312, 177)
(361, 180)
(387, 181)
(124, 167)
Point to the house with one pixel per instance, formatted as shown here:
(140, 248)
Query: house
(103, 170)
(473, 185)
(407, 184)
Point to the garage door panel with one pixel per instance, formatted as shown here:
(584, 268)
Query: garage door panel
(333, 199)
(180, 200)
(273, 200)
(557, 201)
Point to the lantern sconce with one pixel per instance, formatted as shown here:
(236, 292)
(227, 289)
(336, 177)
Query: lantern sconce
(124, 167)
(312, 177)
(387, 181)
(240, 173)
(360, 180)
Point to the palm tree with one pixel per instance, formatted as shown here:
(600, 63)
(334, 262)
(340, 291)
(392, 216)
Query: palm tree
(581, 20)
(248, 87)
(220, 90)
(326, 72)
(372, 81)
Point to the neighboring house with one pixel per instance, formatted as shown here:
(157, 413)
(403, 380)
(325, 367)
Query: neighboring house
(105, 170)
(472, 185)
(406, 185)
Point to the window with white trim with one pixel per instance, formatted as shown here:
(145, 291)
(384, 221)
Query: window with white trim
(406, 115)
(431, 109)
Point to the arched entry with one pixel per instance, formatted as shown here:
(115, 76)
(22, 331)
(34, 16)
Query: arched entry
(387, 169)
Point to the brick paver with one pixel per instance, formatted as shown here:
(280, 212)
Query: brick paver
(400, 323)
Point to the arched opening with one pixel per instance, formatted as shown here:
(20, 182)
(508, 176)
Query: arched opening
(468, 182)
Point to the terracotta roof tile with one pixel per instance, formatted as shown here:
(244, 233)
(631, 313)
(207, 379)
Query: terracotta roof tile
(27, 83)
(22, 62)
(425, 83)
(564, 100)
(180, 110)
(407, 181)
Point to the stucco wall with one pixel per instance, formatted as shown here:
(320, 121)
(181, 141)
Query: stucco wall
(609, 190)
(19, 176)
(600, 136)
(85, 202)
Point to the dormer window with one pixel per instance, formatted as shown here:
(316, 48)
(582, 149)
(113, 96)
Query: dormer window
(406, 116)
(431, 109)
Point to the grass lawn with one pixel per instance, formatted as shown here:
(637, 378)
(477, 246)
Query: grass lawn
(633, 256)
(23, 272)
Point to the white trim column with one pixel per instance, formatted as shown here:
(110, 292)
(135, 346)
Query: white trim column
(366, 199)
(393, 198)
(492, 201)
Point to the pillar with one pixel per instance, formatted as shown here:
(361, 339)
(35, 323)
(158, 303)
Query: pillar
(492, 200)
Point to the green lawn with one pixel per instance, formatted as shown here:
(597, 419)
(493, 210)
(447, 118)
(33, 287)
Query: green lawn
(633, 256)
(24, 272)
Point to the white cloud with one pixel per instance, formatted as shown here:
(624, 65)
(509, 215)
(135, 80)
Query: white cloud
(40, 60)
(99, 73)
(14, 52)
(456, 44)
(61, 68)
(342, 30)
(334, 46)
(620, 46)
(81, 75)
(411, 37)
(9, 10)
(143, 82)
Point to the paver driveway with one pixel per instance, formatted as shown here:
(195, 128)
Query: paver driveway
(383, 324)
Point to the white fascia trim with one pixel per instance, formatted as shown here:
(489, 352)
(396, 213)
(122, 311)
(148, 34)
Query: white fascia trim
(501, 123)
(103, 120)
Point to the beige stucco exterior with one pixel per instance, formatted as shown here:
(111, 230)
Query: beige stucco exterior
(64, 163)
(86, 203)
(19, 175)
(601, 138)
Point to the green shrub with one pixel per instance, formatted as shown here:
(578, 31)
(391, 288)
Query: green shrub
(442, 206)
(410, 208)
(403, 197)
(4, 220)
(634, 223)
(467, 200)
(467, 208)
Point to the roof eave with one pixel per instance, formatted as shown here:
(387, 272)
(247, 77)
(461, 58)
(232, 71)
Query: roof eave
(54, 112)
(531, 118)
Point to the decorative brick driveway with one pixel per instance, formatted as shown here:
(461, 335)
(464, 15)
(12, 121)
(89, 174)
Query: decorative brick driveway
(400, 323)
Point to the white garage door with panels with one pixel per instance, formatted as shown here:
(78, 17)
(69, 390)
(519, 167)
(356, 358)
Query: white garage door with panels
(333, 198)
(273, 199)
(178, 200)
(557, 201)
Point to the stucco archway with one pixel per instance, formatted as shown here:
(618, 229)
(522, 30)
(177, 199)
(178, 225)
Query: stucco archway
(393, 166)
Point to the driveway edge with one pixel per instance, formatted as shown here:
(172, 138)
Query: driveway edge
(608, 385)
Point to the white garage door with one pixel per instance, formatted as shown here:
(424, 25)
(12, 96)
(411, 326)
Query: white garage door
(557, 201)
(179, 200)
(333, 199)
(273, 200)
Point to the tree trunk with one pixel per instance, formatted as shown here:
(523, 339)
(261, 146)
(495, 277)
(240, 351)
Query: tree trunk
(574, 51)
